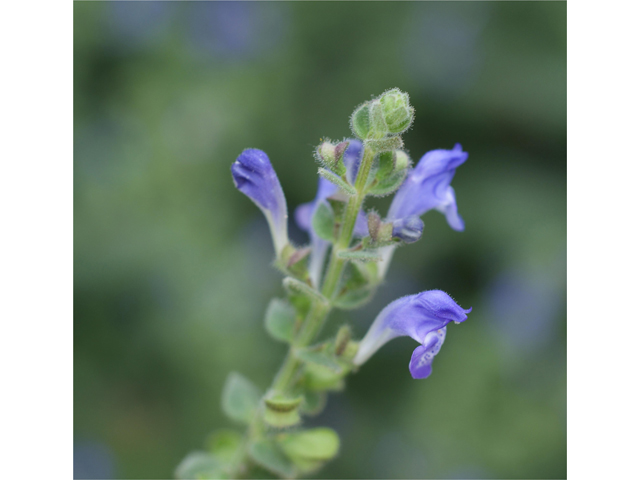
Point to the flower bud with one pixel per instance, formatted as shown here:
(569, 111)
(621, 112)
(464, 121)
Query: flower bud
(398, 113)
(378, 231)
(408, 229)
(378, 125)
(331, 156)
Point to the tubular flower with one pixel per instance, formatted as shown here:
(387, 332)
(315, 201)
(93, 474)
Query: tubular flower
(423, 317)
(428, 186)
(254, 176)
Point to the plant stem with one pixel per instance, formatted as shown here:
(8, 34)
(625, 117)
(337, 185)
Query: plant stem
(319, 310)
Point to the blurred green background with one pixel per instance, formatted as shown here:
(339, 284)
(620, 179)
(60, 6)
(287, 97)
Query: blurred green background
(172, 264)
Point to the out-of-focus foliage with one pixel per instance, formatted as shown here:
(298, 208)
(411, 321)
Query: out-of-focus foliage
(171, 265)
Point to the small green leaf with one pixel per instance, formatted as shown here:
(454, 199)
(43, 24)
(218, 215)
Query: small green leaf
(389, 184)
(386, 164)
(360, 124)
(361, 255)
(314, 444)
(296, 286)
(280, 320)
(319, 358)
(200, 465)
(240, 398)
(323, 221)
(354, 298)
(313, 403)
(268, 455)
(336, 180)
(226, 445)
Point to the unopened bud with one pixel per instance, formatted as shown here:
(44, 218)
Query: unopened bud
(331, 155)
(408, 229)
(378, 127)
(398, 113)
(378, 231)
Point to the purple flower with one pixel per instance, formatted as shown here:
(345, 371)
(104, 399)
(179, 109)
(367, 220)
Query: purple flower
(428, 186)
(254, 176)
(408, 229)
(423, 317)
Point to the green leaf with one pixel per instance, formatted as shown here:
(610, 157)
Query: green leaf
(389, 184)
(319, 358)
(280, 320)
(361, 256)
(200, 465)
(313, 403)
(268, 455)
(314, 444)
(336, 180)
(360, 124)
(323, 221)
(240, 398)
(386, 164)
(354, 298)
(226, 445)
(296, 286)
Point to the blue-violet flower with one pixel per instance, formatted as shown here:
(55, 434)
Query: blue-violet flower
(423, 317)
(427, 186)
(254, 176)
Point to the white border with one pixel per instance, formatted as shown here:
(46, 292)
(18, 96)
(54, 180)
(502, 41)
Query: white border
(37, 239)
(603, 84)
(36, 198)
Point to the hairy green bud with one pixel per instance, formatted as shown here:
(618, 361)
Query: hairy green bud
(398, 113)
(331, 155)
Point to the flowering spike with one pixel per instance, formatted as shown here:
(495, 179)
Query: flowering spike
(254, 176)
(422, 317)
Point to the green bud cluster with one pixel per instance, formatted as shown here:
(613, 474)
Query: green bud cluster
(389, 114)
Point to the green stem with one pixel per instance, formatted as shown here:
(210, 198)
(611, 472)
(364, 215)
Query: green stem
(319, 310)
